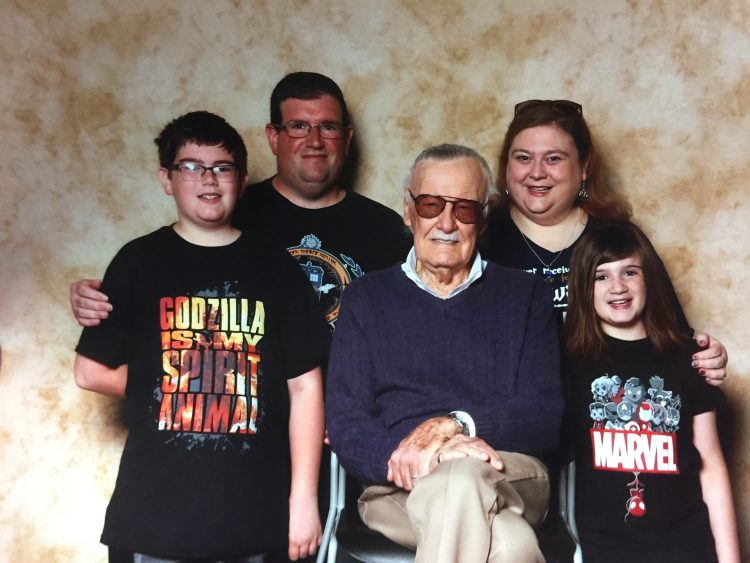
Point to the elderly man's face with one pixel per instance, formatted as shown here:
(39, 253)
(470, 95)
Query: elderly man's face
(444, 242)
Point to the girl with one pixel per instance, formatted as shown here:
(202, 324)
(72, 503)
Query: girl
(651, 481)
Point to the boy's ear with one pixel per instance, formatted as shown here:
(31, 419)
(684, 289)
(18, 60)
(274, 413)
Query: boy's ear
(165, 180)
(242, 187)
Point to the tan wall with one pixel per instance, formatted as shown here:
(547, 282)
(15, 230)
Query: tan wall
(86, 85)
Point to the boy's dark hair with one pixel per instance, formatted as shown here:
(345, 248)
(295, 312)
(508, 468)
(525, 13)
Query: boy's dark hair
(610, 243)
(204, 129)
(305, 86)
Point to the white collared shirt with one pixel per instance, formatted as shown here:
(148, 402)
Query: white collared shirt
(477, 269)
(410, 269)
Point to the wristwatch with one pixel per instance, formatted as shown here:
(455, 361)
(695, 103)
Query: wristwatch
(464, 421)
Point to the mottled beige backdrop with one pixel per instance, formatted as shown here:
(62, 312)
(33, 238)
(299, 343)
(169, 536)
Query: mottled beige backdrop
(87, 84)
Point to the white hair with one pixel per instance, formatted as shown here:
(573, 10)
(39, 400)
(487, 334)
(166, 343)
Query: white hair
(444, 152)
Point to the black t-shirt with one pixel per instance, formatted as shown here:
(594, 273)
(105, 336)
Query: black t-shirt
(503, 243)
(638, 491)
(333, 244)
(210, 336)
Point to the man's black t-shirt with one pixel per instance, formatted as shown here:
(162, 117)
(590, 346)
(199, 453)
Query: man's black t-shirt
(333, 244)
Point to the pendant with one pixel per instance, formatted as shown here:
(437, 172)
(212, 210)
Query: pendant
(635, 505)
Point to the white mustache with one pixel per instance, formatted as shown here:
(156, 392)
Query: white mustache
(448, 237)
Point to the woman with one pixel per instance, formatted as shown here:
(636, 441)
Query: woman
(551, 192)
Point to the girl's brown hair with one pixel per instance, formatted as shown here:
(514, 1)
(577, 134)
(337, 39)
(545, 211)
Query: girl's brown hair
(611, 242)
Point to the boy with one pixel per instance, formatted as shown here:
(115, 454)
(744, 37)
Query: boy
(215, 344)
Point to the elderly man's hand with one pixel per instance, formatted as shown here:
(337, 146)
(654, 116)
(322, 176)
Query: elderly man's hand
(414, 456)
(464, 446)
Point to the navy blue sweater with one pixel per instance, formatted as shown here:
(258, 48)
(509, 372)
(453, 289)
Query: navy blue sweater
(401, 355)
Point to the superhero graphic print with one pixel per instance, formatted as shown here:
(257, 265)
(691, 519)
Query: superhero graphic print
(634, 431)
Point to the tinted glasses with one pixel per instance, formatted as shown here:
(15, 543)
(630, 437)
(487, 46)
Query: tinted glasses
(429, 206)
(561, 106)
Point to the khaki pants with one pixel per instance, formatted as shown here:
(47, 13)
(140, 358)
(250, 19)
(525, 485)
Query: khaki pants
(465, 511)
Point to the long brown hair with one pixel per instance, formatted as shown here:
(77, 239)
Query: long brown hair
(611, 242)
(602, 201)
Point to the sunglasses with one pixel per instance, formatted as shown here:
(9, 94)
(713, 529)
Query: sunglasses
(429, 206)
(565, 107)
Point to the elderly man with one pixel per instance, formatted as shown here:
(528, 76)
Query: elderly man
(444, 381)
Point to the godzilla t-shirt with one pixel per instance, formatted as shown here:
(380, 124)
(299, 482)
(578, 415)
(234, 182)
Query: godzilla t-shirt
(210, 335)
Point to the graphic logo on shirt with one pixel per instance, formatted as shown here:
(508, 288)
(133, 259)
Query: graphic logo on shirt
(634, 430)
(328, 274)
(557, 277)
(210, 363)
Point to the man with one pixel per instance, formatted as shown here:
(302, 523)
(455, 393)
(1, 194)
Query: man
(335, 235)
(444, 381)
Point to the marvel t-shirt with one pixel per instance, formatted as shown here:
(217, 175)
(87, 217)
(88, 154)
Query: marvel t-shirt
(637, 469)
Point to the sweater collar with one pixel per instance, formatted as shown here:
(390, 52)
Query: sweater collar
(409, 268)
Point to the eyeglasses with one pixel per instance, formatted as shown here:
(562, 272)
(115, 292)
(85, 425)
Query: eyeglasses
(194, 171)
(301, 129)
(429, 206)
(565, 107)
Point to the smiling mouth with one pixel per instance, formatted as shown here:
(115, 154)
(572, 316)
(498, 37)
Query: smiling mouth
(539, 189)
(209, 197)
(620, 302)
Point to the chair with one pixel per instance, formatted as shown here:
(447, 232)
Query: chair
(347, 540)
(568, 506)
(345, 537)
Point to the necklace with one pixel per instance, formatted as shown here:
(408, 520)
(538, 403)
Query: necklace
(546, 271)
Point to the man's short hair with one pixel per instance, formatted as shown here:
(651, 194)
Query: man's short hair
(447, 151)
(202, 128)
(305, 86)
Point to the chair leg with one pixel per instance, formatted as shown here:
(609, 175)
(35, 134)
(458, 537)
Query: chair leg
(340, 502)
(568, 506)
(329, 528)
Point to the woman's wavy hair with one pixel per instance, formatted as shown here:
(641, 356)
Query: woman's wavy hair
(602, 201)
